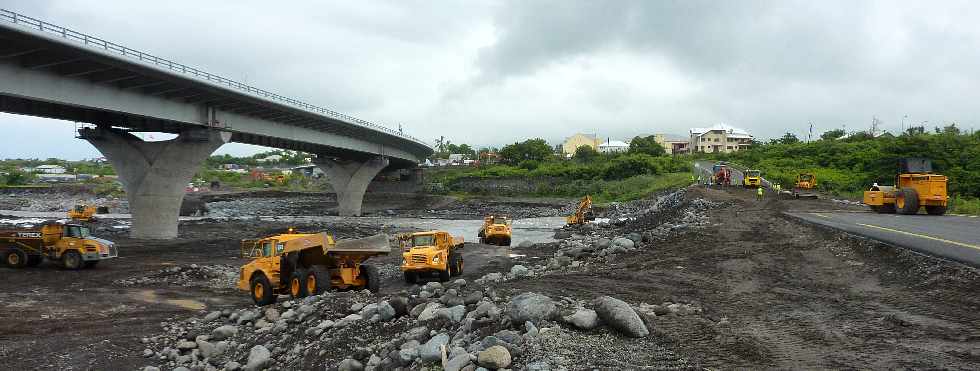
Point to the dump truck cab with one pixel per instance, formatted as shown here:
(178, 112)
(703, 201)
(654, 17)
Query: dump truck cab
(302, 264)
(915, 187)
(752, 178)
(431, 252)
(72, 245)
(496, 230)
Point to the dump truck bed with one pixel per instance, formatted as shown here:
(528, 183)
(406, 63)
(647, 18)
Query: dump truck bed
(377, 244)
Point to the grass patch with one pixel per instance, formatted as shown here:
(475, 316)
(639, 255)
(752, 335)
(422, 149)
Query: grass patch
(963, 205)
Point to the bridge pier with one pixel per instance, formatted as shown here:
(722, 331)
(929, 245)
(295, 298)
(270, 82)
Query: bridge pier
(350, 179)
(155, 174)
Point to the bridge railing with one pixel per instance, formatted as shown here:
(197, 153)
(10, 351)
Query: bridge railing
(98, 43)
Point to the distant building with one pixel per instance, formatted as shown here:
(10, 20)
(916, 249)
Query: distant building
(270, 158)
(719, 138)
(578, 140)
(457, 158)
(50, 169)
(56, 178)
(673, 144)
(612, 146)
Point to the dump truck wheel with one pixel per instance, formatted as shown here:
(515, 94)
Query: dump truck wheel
(91, 264)
(936, 210)
(313, 283)
(455, 265)
(411, 277)
(262, 290)
(907, 201)
(372, 276)
(444, 275)
(297, 285)
(34, 260)
(15, 258)
(506, 242)
(72, 260)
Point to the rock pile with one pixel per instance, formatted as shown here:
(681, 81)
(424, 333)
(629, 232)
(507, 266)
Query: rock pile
(216, 276)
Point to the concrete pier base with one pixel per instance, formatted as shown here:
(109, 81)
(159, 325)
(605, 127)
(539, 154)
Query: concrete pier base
(155, 174)
(350, 179)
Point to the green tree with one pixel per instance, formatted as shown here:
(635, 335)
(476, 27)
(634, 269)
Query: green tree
(531, 149)
(585, 153)
(832, 134)
(788, 138)
(646, 145)
(623, 167)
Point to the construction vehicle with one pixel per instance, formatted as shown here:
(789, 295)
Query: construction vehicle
(432, 252)
(721, 174)
(496, 230)
(71, 245)
(303, 264)
(583, 213)
(86, 213)
(805, 182)
(915, 187)
(752, 178)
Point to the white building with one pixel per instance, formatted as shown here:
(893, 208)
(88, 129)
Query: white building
(610, 146)
(270, 158)
(719, 138)
(50, 169)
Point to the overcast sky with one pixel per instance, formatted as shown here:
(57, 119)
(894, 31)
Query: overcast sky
(494, 72)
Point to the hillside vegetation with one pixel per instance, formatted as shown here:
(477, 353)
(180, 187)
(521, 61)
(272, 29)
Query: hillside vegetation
(849, 166)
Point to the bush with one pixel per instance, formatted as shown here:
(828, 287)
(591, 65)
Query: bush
(631, 165)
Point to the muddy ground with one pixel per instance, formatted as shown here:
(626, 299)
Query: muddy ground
(773, 293)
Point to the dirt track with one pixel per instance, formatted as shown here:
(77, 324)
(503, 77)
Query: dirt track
(794, 296)
(775, 293)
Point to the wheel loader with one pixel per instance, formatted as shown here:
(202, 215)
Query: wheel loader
(70, 245)
(583, 213)
(431, 252)
(303, 264)
(915, 187)
(496, 230)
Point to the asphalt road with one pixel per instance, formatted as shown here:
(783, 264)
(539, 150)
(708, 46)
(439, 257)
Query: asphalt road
(948, 236)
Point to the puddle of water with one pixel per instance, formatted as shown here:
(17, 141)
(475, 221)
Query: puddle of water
(536, 230)
(151, 296)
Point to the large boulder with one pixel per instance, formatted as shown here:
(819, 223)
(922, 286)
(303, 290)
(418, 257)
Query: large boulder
(386, 311)
(495, 357)
(531, 306)
(431, 351)
(350, 364)
(624, 243)
(620, 316)
(519, 271)
(258, 358)
(224, 332)
(585, 319)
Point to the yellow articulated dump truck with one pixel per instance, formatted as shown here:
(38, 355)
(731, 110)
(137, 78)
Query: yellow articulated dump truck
(70, 245)
(583, 213)
(432, 252)
(86, 213)
(915, 187)
(302, 264)
(496, 230)
(752, 179)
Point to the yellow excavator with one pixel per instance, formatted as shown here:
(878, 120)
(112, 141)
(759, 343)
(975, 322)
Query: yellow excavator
(583, 213)
(86, 213)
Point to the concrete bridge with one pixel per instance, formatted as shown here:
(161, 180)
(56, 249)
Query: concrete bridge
(51, 71)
